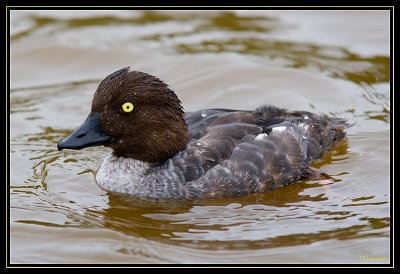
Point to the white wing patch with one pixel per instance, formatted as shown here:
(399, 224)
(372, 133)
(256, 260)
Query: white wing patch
(279, 129)
(261, 136)
(304, 126)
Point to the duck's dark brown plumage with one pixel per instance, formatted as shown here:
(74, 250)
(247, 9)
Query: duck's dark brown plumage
(160, 152)
(234, 161)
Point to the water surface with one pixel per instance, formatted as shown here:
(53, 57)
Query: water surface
(320, 61)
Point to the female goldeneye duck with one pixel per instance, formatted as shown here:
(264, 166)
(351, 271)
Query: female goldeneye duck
(161, 152)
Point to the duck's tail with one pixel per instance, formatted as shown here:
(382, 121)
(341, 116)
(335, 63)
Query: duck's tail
(319, 132)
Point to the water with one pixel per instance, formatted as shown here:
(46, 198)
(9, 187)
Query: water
(320, 61)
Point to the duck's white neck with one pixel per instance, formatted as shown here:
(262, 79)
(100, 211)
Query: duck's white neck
(123, 175)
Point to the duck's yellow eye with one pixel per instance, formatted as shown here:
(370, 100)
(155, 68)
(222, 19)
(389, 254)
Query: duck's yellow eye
(127, 107)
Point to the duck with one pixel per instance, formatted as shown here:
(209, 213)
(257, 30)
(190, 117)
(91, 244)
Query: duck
(159, 151)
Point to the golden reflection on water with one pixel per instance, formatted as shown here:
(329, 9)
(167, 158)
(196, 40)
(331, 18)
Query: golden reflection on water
(221, 21)
(227, 223)
(338, 61)
(349, 66)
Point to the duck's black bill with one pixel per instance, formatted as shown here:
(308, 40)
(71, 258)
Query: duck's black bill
(89, 134)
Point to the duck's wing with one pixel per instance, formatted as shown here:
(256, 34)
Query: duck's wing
(213, 139)
(200, 121)
(235, 153)
(319, 131)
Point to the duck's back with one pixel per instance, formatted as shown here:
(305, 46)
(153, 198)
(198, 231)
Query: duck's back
(239, 152)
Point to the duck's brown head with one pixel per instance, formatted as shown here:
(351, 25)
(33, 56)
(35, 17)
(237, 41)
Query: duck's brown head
(135, 114)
